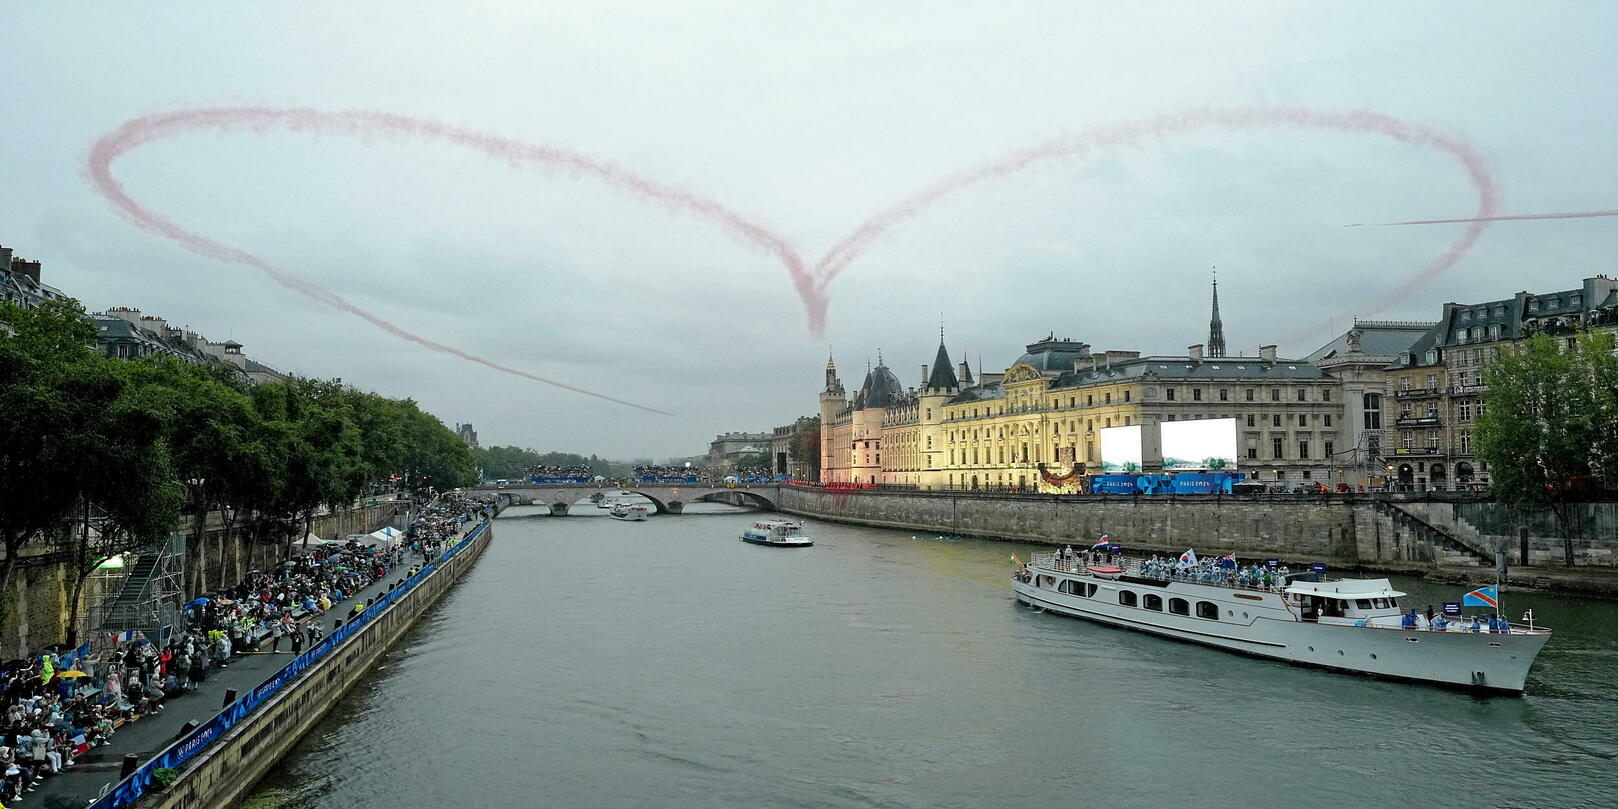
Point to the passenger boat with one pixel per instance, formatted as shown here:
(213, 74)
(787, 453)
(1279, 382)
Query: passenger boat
(1346, 624)
(779, 533)
(634, 512)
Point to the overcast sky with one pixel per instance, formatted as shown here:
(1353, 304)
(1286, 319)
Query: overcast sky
(807, 118)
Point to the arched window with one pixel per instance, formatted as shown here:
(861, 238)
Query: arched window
(1126, 597)
(1179, 606)
(1208, 609)
(1153, 602)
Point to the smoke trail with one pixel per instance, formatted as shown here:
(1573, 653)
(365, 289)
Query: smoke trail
(1507, 218)
(141, 131)
(1133, 133)
(810, 284)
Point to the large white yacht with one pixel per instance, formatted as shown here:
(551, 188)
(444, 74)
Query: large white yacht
(1349, 624)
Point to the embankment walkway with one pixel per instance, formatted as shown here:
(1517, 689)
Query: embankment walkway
(97, 772)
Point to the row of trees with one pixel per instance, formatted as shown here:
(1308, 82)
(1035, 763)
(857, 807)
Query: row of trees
(132, 441)
(514, 463)
(1550, 430)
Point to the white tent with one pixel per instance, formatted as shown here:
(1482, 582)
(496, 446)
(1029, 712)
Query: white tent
(385, 538)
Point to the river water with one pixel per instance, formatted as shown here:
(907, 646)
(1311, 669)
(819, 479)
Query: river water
(587, 662)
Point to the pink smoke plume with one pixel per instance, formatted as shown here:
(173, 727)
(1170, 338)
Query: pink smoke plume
(141, 131)
(810, 284)
(1507, 218)
(1237, 119)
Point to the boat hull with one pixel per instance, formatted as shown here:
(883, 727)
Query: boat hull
(794, 543)
(1259, 624)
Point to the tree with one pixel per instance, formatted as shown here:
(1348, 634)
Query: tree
(53, 389)
(1549, 424)
(805, 446)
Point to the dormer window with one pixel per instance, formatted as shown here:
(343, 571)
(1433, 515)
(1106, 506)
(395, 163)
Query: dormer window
(1460, 335)
(1533, 305)
(1432, 356)
(1555, 303)
(1466, 315)
(1500, 310)
(1575, 299)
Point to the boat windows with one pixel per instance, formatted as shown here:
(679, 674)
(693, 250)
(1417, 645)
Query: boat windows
(1381, 603)
(1179, 606)
(1208, 609)
(1126, 598)
(1153, 602)
(1362, 603)
(1078, 588)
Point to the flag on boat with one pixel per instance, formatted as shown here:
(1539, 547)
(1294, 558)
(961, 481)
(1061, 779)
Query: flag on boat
(1483, 597)
(1102, 543)
(1228, 561)
(1189, 557)
(1015, 560)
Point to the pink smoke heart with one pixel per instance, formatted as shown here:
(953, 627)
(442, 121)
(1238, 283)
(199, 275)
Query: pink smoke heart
(810, 283)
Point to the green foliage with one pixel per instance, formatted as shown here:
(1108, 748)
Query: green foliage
(1537, 433)
(1550, 429)
(134, 438)
(165, 776)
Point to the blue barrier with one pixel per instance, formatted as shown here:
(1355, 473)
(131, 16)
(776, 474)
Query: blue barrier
(183, 750)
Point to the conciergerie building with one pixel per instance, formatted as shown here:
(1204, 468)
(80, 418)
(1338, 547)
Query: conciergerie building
(1335, 417)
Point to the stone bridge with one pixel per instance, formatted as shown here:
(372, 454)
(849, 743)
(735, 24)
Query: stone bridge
(667, 498)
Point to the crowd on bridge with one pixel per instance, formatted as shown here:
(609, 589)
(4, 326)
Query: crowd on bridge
(688, 474)
(56, 706)
(575, 472)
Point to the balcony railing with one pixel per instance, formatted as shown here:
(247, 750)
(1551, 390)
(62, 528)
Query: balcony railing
(1418, 421)
(1463, 390)
(1416, 393)
(1418, 452)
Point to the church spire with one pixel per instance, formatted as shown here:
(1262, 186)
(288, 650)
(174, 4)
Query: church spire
(1216, 328)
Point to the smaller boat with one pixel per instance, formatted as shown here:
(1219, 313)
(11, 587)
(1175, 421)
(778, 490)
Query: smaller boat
(632, 512)
(779, 533)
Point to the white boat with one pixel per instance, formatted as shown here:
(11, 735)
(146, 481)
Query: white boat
(633, 512)
(1346, 624)
(778, 533)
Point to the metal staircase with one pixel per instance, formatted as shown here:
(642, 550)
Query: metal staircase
(150, 594)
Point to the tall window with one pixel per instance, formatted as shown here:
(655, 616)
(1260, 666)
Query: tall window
(1252, 449)
(1329, 449)
(1373, 411)
(1275, 394)
(1466, 442)
(1275, 420)
(1249, 394)
(1196, 394)
(1300, 394)
(1325, 394)
(1275, 448)
(1303, 448)
(1169, 392)
(1466, 411)
(1249, 419)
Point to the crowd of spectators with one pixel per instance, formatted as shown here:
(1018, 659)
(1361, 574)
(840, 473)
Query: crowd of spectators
(577, 472)
(685, 473)
(754, 473)
(57, 706)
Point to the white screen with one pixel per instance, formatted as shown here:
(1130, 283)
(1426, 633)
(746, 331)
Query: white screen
(1203, 445)
(1120, 449)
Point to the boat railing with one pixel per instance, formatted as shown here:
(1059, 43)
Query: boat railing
(1139, 568)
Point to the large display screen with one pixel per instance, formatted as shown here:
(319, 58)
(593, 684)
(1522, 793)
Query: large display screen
(1203, 445)
(1120, 449)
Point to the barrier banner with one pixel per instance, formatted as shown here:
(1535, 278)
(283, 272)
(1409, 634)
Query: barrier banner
(186, 748)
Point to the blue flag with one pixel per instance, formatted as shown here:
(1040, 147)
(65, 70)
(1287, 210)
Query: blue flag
(1482, 597)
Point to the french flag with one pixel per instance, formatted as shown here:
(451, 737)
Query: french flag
(1102, 543)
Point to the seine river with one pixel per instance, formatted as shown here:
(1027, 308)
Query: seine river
(587, 662)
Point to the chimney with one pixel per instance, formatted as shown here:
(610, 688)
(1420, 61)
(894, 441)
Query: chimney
(125, 313)
(1194, 352)
(5, 259)
(924, 376)
(22, 266)
(1266, 353)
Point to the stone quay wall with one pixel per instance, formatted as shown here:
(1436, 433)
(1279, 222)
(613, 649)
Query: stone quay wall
(220, 777)
(1342, 530)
